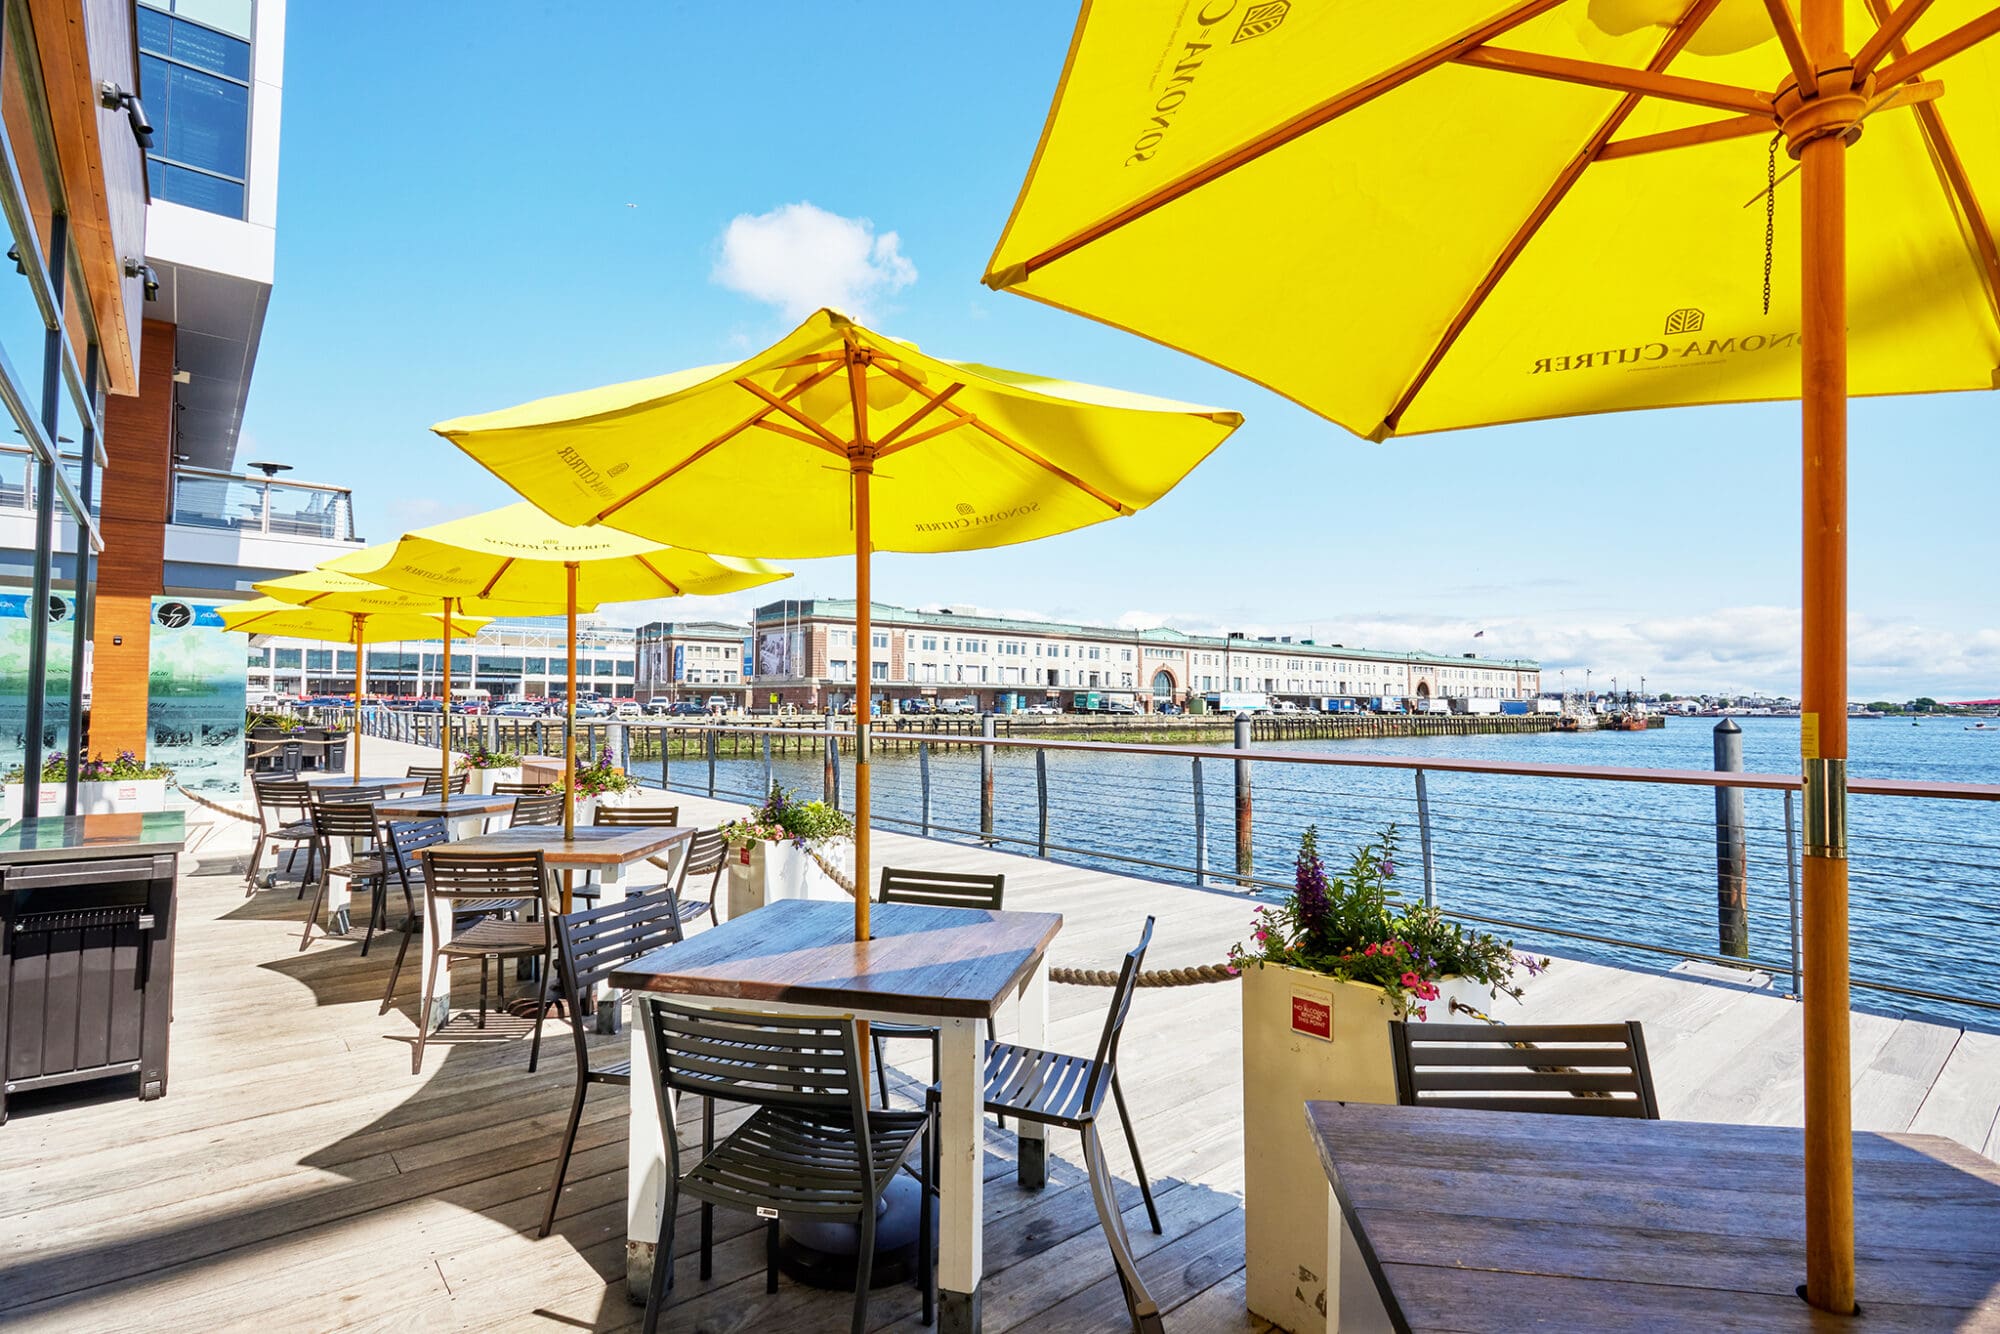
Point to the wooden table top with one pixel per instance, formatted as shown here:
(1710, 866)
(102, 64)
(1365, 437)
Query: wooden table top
(590, 845)
(48, 838)
(1509, 1220)
(442, 807)
(387, 782)
(958, 962)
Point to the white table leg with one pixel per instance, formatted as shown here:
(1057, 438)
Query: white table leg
(611, 889)
(339, 889)
(1031, 1168)
(646, 1169)
(437, 934)
(961, 1175)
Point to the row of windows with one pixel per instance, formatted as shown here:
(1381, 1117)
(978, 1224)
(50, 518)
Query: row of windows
(194, 78)
(432, 664)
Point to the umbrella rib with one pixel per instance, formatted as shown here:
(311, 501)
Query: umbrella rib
(1618, 79)
(792, 432)
(785, 406)
(1304, 123)
(970, 419)
(654, 571)
(505, 565)
(1708, 132)
(910, 442)
(1890, 34)
(1794, 43)
(1944, 48)
(712, 445)
(1683, 32)
(931, 405)
(1957, 183)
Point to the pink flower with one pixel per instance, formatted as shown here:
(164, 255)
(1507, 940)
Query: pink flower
(1260, 936)
(1411, 980)
(1421, 1014)
(1373, 950)
(1232, 969)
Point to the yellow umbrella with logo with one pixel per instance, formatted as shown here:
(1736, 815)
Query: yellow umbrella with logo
(328, 588)
(520, 556)
(274, 616)
(1416, 218)
(837, 439)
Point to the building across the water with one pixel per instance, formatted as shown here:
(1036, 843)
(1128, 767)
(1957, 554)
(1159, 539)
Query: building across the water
(509, 660)
(694, 657)
(806, 656)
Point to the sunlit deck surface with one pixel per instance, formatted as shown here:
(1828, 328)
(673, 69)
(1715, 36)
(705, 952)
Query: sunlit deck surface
(297, 1177)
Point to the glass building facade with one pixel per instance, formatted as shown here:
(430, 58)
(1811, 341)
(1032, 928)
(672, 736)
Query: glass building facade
(194, 78)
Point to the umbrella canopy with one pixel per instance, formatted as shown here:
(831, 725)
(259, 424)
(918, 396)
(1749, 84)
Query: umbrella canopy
(839, 439)
(1497, 211)
(1414, 218)
(359, 627)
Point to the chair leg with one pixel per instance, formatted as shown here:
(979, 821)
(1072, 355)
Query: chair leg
(992, 1035)
(312, 913)
(708, 1242)
(541, 1012)
(663, 1264)
(485, 978)
(881, 1068)
(396, 969)
(378, 908)
(864, 1267)
(926, 1222)
(1139, 1303)
(771, 1258)
(256, 856)
(568, 1147)
(1132, 1141)
(424, 1021)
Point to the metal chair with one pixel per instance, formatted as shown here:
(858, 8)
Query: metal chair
(423, 771)
(589, 946)
(1572, 1069)
(434, 785)
(284, 815)
(1052, 1089)
(931, 889)
(406, 843)
(354, 821)
(707, 855)
(521, 789)
(489, 883)
(542, 808)
(812, 1149)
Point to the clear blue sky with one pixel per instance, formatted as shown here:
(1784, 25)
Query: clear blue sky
(480, 204)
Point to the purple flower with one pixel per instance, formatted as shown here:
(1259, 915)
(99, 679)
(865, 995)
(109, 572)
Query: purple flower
(1388, 870)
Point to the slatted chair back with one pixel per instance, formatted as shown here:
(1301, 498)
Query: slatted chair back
(1574, 1069)
(942, 889)
(407, 841)
(343, 796)
(468, 879)
(706, 854)
(538, 809)
(520, 789)
(639, 817)
(772, 1060)
(352, 820)
(1114, 1018)
(594, 943)
(281, 801)
(434, 785)
(422, 771)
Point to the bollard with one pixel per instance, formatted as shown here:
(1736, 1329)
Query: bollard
(1424, 838)
(1242, 798)
(767, 764)
(829, 774)
(986, 780)
(666, 736)
(709, 746)
(1732, 869)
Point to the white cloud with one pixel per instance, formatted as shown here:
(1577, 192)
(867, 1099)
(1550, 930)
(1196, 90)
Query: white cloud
(1731, 649)
(799, 257)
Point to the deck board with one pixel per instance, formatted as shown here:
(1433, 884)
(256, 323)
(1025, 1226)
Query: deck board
(297, 1175)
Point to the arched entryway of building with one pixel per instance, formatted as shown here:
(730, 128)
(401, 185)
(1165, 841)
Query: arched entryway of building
(1423, 690)
(1163, 687)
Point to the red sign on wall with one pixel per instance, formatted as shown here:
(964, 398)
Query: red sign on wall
(1312, 1014)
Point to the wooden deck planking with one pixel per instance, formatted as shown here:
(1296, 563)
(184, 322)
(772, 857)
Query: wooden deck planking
(297, 1176)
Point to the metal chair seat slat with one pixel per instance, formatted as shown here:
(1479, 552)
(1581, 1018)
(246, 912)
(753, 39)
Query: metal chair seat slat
(491, 936)
(1587, 1070)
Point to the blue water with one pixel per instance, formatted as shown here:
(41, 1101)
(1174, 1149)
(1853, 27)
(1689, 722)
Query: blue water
(1630, 861)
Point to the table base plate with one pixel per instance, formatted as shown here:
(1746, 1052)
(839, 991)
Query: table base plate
(821, 1255)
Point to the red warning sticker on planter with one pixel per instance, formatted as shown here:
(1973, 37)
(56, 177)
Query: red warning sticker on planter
(1312, 1014)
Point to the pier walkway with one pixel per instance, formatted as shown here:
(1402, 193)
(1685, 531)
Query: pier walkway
(297, 1177)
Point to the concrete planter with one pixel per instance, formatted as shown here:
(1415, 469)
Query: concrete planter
(112, 798)
(766, 872)
(1285, 1065)
(480, 781)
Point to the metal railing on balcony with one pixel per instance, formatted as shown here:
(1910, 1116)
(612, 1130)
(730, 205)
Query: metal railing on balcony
(205, 499)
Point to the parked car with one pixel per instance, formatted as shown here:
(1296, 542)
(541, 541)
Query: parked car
(1116, 706)
(963, 704)
(1168, 709)
(628, 708)
(1045, 707)
(658, 708)
(719, 703)
(427, 706)
(688, 708)
(519, 708)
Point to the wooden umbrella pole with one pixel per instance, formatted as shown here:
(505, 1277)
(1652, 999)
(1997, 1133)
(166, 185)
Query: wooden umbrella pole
(444, 732)
(1829, 1136)
(569, 735)
(354, 738)
(864, 629)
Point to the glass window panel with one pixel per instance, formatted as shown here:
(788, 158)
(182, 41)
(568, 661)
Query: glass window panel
(196, 45)
(538, 666)
(259, 657)
(210, 194)
(287, 658)
(207, 121)
(319, 659)
(344, 661)
(231, 16)
(155, 32)
(20, 111)
(24, 338)
(153, 88)
(461, 663)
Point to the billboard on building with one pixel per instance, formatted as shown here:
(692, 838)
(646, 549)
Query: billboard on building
(14, 627)
(195, 699)
(680, 663)
(774, 654)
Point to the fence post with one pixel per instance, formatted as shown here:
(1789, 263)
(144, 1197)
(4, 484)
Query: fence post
(1041, 803)
(1243, 859)
(1792, 889)
(667, 733)
(767, 764)
(1200, 827)
(708, 733)
(924, 785)
(986, 780)
(830, 771)
(1732, 869)
(1424, 840)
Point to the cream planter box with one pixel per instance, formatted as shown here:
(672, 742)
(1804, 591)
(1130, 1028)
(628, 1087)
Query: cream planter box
(1285, 1065)
(766, 872)
(480, 781)
(112, 798)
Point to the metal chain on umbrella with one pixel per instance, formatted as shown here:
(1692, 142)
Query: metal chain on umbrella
(1770, 212)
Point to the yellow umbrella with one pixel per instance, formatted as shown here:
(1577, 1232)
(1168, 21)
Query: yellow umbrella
(1419, 217)
(271, 616)
(518, 555)
(328, 589)
(780, 454)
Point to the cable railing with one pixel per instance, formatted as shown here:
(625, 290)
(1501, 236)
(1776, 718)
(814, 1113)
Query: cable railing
(1623, 863)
